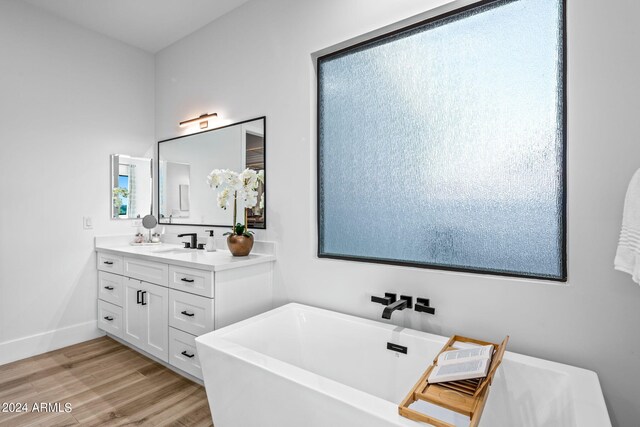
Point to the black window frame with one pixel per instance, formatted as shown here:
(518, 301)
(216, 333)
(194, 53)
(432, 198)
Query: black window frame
(563, 209)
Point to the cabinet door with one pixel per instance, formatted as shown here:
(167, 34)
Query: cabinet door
(134, 328)
(155, 304)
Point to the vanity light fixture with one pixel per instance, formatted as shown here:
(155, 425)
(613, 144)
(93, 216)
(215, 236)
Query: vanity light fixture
(203, 120)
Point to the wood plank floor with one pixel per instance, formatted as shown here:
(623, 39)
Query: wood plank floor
(106, 384)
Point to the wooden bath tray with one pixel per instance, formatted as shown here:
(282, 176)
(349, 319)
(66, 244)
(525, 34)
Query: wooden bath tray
(466, 397)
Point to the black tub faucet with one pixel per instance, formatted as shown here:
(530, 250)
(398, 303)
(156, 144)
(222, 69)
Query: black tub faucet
(194, 240)
(392, 304)
(401, 304)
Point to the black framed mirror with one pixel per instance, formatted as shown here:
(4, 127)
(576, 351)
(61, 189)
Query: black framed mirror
(184, 163)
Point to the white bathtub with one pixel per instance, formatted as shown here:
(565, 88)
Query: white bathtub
(299, 366)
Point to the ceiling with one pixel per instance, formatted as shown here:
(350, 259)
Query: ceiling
(150, 25)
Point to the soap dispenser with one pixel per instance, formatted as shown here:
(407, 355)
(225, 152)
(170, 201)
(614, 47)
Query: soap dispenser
(211, 244)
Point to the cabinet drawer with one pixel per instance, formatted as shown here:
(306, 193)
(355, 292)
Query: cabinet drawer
(199, 282)
(182, 352)
(110, 263)
(110, 318)
(190, 313)
(110, 287)
(149, 271)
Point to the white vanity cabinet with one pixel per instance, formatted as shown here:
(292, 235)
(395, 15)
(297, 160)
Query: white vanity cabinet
(160, 306)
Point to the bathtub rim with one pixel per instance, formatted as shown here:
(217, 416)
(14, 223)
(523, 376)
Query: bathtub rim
(586, 393)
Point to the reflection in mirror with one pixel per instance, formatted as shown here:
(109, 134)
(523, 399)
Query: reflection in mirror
(131, 187)
(185, 162)
(176, 178)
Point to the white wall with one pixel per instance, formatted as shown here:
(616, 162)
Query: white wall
(257, 60)
(68, 99)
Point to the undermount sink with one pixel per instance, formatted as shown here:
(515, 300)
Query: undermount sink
(174, 251)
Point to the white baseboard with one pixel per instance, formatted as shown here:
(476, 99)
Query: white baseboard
(21, 348)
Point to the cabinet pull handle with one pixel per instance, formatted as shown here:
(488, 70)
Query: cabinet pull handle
(184, 353)
(109, 288)
(186, 313)
(108, 262)
(184, 279)
(138, 297)
(109, 318)
(144, 302)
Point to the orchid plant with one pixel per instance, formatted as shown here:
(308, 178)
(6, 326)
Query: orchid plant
(234, 186)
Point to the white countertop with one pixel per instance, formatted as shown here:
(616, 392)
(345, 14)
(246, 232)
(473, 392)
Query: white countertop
(169, 253)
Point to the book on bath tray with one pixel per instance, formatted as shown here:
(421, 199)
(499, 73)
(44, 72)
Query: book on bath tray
(465, 364)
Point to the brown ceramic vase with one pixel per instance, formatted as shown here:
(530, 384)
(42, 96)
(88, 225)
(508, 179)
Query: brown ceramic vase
(239, 245)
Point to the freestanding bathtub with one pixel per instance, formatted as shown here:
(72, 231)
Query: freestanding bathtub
(299, 366)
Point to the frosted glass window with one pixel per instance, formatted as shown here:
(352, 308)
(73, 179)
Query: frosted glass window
(442, 145)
